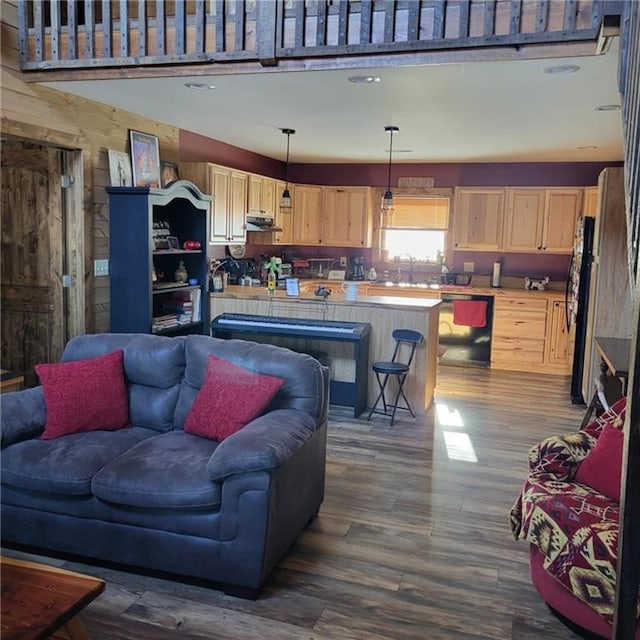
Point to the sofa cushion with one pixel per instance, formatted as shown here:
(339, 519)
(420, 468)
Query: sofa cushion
(166, 471)
(66, 465)
(602, 468)
(85, 395)
(230, 397)
(154, 368)
(303, 389)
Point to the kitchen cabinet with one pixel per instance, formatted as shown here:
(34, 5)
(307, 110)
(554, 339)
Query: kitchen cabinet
(146, 295)
(530, 334)
(478, 218)
(541, 219)
(229, 189)
(562, 208)
(557, 345)
(518, 336)
(283, 218)
(332, 216)
(347, 219)
(590, 202)
(307, 215)
(261, 198)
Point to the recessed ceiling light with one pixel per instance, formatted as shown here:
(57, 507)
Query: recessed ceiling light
(608, 107)
(589, 147)
(364, 79)
(562, 68)
(199, 86)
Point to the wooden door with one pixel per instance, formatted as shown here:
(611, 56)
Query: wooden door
(307, 215)
(283, 218)
(32, 302)
(238, 207)
(590, 202)
(254, 196)
(268, 198)
(347, 219)
(562, 208)
(557, 337)
(219, 228)
(478, 219)
(524, 220)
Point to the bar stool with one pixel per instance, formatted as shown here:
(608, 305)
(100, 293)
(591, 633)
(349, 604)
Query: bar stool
(396, 367)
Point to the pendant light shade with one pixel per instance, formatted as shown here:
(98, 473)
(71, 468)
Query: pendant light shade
(387, 200)
(285, 200)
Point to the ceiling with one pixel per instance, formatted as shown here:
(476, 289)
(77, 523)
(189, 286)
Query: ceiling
(503, 111)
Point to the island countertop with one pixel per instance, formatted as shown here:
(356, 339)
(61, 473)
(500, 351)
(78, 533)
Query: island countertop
(338, 298)
(382, 313)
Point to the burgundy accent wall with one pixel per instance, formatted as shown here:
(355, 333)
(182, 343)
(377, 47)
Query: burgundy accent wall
(518, 265)
(196, 148)
(536, 174)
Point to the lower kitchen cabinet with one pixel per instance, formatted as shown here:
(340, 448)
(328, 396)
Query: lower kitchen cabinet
(529, 334)
(558, 343)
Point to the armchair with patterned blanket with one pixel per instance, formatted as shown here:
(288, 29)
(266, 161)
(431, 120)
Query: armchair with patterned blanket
(568, 512)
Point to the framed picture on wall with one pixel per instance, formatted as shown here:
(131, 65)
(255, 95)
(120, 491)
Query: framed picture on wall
(120, 169)
(168, 173)
(145, 159)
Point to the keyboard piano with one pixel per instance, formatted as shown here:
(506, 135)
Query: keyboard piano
(353, 394)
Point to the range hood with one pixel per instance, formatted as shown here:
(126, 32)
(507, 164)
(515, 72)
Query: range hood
(259, 223)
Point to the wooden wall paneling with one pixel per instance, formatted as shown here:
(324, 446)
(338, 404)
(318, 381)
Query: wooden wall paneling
(628, 569)
(52, 117)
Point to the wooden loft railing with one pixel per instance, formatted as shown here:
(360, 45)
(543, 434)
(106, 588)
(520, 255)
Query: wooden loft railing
(55, 35)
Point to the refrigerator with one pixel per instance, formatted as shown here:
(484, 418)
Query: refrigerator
(577, 300)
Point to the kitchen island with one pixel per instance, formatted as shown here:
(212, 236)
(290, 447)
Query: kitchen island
(383, 313)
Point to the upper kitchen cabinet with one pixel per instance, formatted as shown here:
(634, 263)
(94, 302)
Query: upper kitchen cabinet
(541, 219)
(283, 218)
(590, 202)
(347, 220)
(561, 208)
(261, 196)
(524, 220)
(477, 218)
(229, 189)
(307, 214)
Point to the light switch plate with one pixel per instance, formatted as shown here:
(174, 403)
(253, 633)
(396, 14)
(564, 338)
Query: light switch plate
(101, 268)
(469, 267)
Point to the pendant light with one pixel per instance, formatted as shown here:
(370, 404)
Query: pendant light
(285, 200)
(387, 200)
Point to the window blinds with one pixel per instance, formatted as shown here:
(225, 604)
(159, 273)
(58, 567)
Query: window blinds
(419, 212)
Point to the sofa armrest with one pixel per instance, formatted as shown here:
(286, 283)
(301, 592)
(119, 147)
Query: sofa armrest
(265, 443)
(23, 415)
(560, 456)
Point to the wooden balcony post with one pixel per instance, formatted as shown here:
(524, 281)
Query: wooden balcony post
(267, 13)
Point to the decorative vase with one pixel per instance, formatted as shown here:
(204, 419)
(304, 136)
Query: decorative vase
(181, 274)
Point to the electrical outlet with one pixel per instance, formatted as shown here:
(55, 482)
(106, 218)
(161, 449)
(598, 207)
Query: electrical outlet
(343, 261)
(100, 268)
(469, 267)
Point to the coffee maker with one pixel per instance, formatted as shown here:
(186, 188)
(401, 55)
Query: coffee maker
(356, 270)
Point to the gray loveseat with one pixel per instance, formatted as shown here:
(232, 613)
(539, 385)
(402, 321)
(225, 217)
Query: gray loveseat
(156, 497)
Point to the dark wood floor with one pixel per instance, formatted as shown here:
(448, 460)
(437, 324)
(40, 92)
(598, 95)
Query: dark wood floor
(412, 541)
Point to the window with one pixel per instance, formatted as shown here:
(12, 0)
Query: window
(418, 227)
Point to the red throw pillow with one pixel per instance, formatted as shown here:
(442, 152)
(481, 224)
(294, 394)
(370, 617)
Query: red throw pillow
(84, 395)
(601, 469)
(230, 397)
